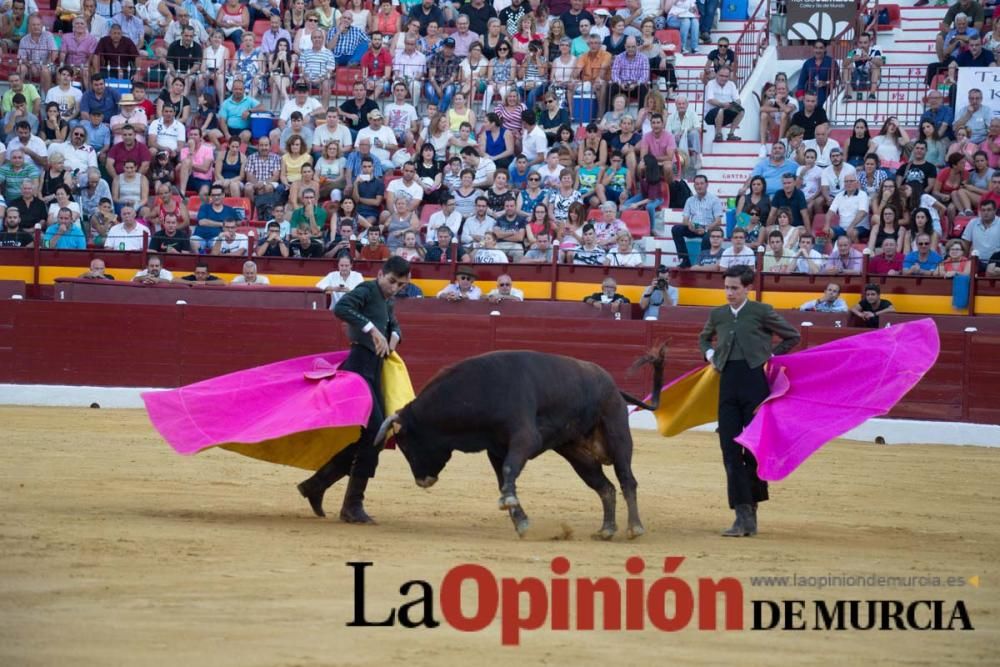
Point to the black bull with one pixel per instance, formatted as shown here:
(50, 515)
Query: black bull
(517, 405)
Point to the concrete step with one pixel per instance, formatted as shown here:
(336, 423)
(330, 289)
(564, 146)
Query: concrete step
(735, 149)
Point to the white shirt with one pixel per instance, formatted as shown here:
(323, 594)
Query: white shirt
(822, 154)
(260, 280)
(166, 136)
(334, 279)
(810, 180)
(164, 274)
(35, 145)
(324, 135)
(713, 91)
(535, 144)
(438, 219)
(118, 235)
(309, 107)
(802, 266)
(836, 182)
(412, 192)
(516, 294)
(412, 65)
(80, 159)
(238, 243)
(550, 177)
(68, 100)
(730, 257)
(380, 138)
(490, 256)
(848, 206)
(476, 227)
(400, 117)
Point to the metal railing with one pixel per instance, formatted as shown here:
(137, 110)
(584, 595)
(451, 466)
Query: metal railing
(900, 95)
(752, 42)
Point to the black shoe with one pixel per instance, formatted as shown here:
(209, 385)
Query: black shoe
(742, 525)
(314, 495)
(353, 510)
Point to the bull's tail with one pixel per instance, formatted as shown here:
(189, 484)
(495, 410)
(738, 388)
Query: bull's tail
(657, 357)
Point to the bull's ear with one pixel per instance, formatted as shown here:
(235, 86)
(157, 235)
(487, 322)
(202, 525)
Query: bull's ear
(383, 430)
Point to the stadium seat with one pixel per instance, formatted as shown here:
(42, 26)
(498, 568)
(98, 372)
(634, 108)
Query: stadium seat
(260, 26)
(240, 203)
(842, 135)
(669, 36)
(637, 221)
(427, 212)
(193, 204)
(344, 80)
(818, 221)
(894, 18)
(230, 49)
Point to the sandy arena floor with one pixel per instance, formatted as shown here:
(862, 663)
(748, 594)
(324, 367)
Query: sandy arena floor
(116, 551)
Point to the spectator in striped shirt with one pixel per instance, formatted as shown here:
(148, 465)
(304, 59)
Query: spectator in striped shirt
(317, 66)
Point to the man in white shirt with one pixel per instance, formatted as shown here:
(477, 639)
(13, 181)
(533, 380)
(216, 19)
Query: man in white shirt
(79, 156)
(534, 143)
(476, 225)
(250, 276)
(332, 130)
(31, 145)
(551, 169)
(822, 144)
(154, 273)
(66, 95)
(402, 116)
(406, 187)
(851, 207)
(808, 259)
(484, 167)
(832, 181)
(738, 253)
(383, 139)
(230, 242)
(505, 290)
(302, 102)
(722, 103)
(338, 283)
(127, 234)
(446, 217)
(167, 133)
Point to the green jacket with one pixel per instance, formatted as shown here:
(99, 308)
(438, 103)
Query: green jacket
(363, 305)
(755, 327)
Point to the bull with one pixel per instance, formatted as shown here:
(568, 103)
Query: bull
(515, 405)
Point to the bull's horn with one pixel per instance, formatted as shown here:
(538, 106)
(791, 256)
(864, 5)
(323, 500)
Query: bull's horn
(383, 430)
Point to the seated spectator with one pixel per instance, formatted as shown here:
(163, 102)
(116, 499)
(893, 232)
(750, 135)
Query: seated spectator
(97, 271)
(923, 261)
(488, 253)
(702, 213)
(212, 215)
(771, 169)
(541, 251)
(830, 302)
(448, 216)
(442, 250)
(941, 116)
(19, 112)
(169, 239)
(822, 144)
(509, 231)
(231, 242)
(375, 249)
(127, 234)
(776, 258)
(12, 235)
(808, 260)
(250, 276)
(129, 148)
(16, 172)
(844, 259)
(818, 75)
(338, 283)
(623, 253)
(709, 258)
(201, 276)
(993, 265)
(464, 287)
(976, 55)
(197, 164)
(262, 170)
(722, 100)
(369, 190)
(411, 250)
(810, 116)
(738, 254)
(476, 225)
(871, 306)
(955, 263)
(792, 199)
(862, 68)
(347, 42)
(975, 116)
(889, 261)
(64, 233)
(588, 253)
(304, 244)
(833, 181)
(851, 208)
(272, 244)
(505, 290)
(608, 296)
(154, 273)
(310, 214)
(32, 209)
(659, 294)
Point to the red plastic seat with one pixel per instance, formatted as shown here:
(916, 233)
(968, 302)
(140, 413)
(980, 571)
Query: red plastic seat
(669, 36)
(240, 203)
(344, 80)
(637, 221)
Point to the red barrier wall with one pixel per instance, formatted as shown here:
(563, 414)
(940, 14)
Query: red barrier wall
(167, 346)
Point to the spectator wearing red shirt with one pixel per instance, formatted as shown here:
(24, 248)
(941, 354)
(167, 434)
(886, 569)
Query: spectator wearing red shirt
(375, 250)
(889, 262)
(376, 67)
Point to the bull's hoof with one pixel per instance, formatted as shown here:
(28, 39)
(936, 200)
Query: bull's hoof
(521, 527)
(314, 497)
(508, 502)
(606, 533)
(635, 531)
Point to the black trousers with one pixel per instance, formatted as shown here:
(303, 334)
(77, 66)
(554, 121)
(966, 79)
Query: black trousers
(360, 458)
(741, 390)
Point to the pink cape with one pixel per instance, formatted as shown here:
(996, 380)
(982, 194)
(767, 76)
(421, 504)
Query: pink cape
(823, 392)
(297, 412)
